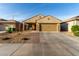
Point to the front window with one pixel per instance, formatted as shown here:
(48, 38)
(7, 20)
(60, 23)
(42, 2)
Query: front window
(30, 26)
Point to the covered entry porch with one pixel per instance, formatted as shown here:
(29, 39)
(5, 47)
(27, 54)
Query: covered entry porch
(30, 26)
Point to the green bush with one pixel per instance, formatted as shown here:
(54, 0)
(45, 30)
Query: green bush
(75, 30)
(10, 30)
(76, 33)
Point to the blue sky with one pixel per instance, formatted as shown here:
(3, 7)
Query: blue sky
(21, 11)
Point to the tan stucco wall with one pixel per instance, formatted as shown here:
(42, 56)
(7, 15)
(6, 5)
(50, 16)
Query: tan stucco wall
(37, 26)
(9, 25)
(77, 22)
(70, 24)
(58, 27)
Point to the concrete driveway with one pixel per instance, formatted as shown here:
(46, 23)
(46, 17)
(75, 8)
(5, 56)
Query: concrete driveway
(44, 44)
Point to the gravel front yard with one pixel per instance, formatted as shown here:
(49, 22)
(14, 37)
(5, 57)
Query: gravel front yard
(17, 37)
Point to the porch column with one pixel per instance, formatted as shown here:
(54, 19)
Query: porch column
(19, 26)
(33, 26)
(58, 27)
(37, 26)
(23, 26)
(27, 26)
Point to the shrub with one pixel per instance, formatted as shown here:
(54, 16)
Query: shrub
(10, 30)
(75, 30)
(76, 33)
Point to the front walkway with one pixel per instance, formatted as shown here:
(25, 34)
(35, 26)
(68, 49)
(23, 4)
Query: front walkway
(44, 44)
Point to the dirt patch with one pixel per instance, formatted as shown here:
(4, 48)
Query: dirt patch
(6, 38)
(25, 38)
(14, 37)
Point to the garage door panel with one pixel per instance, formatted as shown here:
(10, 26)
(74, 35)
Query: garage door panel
(49, 27)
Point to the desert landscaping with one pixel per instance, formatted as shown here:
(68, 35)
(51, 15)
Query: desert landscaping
(18, 37)
(11, 38)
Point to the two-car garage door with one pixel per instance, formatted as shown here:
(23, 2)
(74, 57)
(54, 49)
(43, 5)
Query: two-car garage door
(48, 27)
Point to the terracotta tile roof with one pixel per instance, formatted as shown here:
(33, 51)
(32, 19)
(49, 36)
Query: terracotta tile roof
(49, 19)
(7, 21)
(72, 19)
(34, 19)
(40, 18)
(2, 19)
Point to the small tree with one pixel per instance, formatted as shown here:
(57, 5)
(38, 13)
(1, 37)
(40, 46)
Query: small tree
(75, 30)
(10, 30)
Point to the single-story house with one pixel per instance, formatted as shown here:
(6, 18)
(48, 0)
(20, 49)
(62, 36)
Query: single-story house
(5, 24)
(67, 24)
(42, 23)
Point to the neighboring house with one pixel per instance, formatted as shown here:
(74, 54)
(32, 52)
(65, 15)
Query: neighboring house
(5, 24)
(67, 24)
(42, 23)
